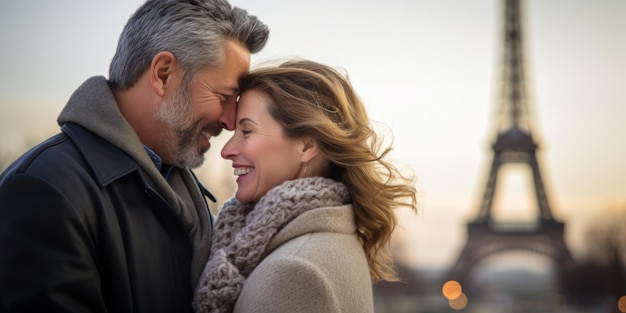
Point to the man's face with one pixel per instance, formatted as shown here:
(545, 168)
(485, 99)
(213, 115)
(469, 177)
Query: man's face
(199, 110)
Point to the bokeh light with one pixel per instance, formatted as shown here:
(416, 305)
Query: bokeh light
(452, 290)
(459, 303)
(621, 304)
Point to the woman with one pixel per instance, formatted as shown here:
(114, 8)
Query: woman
(309, 227)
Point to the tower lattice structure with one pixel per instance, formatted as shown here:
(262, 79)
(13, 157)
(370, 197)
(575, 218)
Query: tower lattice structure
(514, 143)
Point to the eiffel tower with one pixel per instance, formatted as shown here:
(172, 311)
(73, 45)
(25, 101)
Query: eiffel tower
(514, 143)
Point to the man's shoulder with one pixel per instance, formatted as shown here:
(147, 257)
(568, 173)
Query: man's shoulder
(47, 155)
(75, 152)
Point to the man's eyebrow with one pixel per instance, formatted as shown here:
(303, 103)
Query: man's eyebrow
(232, 89)
(225, 89)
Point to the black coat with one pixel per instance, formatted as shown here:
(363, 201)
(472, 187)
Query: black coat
(83, 230)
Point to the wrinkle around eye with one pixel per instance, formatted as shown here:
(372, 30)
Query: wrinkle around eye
(211, 97)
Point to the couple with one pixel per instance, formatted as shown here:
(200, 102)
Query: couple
(108, 217)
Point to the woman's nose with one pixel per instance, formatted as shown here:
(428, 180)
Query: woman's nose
(229, 150)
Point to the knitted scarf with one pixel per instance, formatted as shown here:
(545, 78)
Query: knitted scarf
(243, 231)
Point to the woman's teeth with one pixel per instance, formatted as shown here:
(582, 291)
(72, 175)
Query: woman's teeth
(243, 170)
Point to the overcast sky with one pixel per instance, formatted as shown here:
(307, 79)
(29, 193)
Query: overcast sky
(427, 69)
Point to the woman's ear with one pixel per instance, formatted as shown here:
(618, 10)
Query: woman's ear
(163, 71)
(310, 150)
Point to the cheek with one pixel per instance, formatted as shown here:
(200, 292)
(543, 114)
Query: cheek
(207, 108)
(275, 162)
(269, 176)
(280, 166)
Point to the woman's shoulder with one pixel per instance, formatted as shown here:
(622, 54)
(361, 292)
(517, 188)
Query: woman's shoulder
(331, 257)
(320, 248)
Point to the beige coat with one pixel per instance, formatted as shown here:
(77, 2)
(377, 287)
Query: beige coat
(314, 264)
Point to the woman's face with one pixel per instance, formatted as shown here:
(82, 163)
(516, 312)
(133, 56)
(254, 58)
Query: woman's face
(262, 156)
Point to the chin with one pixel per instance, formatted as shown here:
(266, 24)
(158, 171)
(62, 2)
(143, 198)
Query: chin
(197, 159)
(190, 161)
(242, 199)
(198, 162)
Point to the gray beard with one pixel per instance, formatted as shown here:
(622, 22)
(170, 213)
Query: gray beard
(183, 129)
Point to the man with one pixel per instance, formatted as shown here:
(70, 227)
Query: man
(107, 215)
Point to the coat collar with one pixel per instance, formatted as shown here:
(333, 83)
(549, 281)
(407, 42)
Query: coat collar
(107, 161)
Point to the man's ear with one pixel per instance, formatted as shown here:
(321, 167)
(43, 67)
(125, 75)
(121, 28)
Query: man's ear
(163, 71)
(310, 150)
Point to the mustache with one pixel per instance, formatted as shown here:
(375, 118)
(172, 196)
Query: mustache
(213, 129)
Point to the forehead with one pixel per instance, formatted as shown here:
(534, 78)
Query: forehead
(252, 102)
(236, 62)
(225, 77)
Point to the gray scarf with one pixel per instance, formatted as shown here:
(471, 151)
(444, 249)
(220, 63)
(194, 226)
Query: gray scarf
(243, 231)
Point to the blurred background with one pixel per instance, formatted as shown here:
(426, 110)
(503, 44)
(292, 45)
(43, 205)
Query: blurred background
(428, 71)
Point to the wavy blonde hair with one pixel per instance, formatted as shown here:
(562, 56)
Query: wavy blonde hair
(313, 100)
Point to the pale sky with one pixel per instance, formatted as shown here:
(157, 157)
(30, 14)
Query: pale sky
(427, 69)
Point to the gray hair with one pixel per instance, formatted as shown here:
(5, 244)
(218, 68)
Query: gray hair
(194, 31)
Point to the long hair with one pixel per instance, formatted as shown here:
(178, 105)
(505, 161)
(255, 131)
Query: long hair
(313, 100)
(194, 31)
